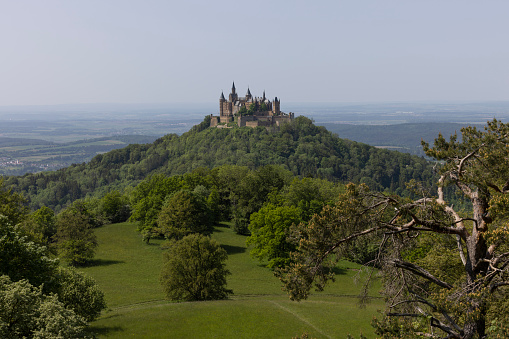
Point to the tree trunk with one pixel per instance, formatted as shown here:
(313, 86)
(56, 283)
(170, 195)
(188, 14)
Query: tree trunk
(475, 323)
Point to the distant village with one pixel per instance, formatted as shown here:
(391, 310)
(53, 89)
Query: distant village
(7, 162)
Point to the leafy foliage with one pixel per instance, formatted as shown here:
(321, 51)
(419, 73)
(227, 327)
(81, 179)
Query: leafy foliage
(12, 204)
(40, 226)
(25, 312)
(75, 236)
(194, 269)
(114, 207)
(80, 293)
(24, 259)
(184, 213)
(62, 299)
(269, 227)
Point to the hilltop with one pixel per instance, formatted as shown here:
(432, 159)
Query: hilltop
(300, 146)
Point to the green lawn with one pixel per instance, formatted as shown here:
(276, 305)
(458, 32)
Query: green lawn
(127, 270)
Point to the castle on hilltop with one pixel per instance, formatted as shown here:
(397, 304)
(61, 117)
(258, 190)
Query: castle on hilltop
(249, 111)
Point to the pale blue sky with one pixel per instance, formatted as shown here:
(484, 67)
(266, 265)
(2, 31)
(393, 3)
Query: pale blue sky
(154, 51)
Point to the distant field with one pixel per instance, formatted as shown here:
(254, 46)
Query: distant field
(127, 270)
(37, 155)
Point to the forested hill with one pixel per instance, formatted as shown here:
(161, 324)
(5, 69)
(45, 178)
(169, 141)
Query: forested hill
(301, 146)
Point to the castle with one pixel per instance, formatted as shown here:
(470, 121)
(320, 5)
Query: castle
(249, 111)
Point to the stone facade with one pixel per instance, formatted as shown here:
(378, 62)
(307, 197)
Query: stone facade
(249, 111)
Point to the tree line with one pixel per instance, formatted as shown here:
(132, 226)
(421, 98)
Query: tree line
(300, 147)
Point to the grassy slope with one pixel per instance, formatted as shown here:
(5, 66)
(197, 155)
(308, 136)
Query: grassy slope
(128, 270)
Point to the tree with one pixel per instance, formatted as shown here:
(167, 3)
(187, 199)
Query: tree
(184, 213)
(114, 207)
(25, 312)
(76, 241)
(252, 192)
(269, 228)
(24, 259)
(422, 296)
(40, 226)
(80, 293)
(251, 109)
(12, 205)
(62, 299)
(194, 269)
(242, 111)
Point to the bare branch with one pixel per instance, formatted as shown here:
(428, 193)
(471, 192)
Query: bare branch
(497, 285)
(437, 323)
(468, 156)
(350, 237)
(460, 250)
(420, 272)
(434, 322)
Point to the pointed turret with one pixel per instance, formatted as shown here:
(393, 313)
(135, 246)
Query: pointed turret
(263, 95)
(233, 95)
(221, 98)
(248, 94)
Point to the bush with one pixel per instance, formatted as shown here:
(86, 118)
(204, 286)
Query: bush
(194, 269)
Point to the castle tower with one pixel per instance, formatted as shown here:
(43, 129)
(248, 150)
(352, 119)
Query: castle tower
(276, 107)
(233, 95)
(248, 94)
(222, 100)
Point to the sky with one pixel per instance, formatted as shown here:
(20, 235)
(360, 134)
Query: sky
(165, 51)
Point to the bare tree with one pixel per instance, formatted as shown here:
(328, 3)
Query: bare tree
(426, 298)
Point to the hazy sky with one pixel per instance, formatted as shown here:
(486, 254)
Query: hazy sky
(124, 51)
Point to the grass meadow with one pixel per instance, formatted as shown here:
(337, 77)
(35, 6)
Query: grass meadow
(127, 270)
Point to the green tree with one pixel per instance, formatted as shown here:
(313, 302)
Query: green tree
(75, 238)
(421, 298)
(194, 269)
(269, 229)
(79, 293)
(148, 198)
(114, 207)
(252, 192)
(25, 312)
(252, 109)
(242, 111)
(184, 213)
(40, 226)
(24, 259)
(12, 204)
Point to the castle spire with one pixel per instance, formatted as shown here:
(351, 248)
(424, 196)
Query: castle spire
(263, 95)
(222, 97)
(233, 88)
(248, 94)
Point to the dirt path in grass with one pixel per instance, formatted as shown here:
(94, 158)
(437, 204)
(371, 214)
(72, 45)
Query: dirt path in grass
(304, 320)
